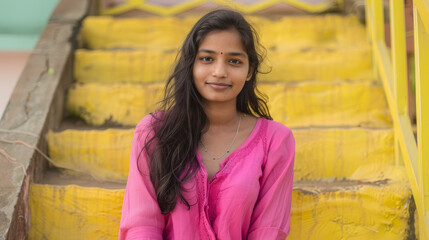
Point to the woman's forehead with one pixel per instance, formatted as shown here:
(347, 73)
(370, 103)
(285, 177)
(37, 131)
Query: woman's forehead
(225, 41)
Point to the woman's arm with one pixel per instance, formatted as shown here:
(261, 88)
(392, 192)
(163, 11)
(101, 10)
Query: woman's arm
(271, 215)
(141, 216)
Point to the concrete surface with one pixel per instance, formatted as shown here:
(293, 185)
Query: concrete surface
(35, 106)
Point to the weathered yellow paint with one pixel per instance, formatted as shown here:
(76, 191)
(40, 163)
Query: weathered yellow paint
(327, 31)
(123, 66)
(327, 104)
(323, 44)
(129, 5)
(318, 64)
(167, 33)
(421, 31)
(304, 104)
(152, 33)
(378, 172)
(125, 104)
(339, 152)
(320, 210)
(102, 154)
(359, 211)
(74, 212)
(399, 59)
(391, 71)
(286, 66)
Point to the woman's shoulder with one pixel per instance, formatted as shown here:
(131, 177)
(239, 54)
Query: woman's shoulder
(277, 134)
(276, 129)
(148, 121)
(278, 141)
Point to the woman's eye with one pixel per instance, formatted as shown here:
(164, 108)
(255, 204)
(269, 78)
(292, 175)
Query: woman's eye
(206, 59)
(235, 61)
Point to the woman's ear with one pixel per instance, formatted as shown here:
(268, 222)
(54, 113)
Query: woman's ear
(249, 75)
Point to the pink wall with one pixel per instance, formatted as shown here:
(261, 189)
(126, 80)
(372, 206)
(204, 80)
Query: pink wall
(11, 65)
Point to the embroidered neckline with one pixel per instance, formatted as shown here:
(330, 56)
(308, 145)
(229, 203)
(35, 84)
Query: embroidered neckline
(228, 163)
(226, 166)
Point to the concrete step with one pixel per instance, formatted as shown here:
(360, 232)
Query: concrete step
(341, 153)
(321, 153)
(124, 104)
(334, 47)
(295, 105)
(167, 33)
(352, 210)
(289, 65)
(64, 208)
(102, 154)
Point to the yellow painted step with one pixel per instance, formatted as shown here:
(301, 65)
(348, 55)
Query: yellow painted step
(167, 33)
(62, 208)
(123, 66)
(316, 63)
(320, 153)
(320, 210)
(294, 45)
(102, 154)
(295, 105)
(124, 104)
(351, 210)
(328, 104)
(129, 33)
(340, 152)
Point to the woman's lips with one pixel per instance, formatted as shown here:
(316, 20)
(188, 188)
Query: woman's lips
(219, 86)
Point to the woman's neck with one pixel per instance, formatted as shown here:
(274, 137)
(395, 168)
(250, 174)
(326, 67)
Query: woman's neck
(221, 115)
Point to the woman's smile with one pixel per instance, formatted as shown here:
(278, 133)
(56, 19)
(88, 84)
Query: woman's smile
(218, 86)
(221, 68)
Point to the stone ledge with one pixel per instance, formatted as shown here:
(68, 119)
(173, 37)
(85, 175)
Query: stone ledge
(35, 106)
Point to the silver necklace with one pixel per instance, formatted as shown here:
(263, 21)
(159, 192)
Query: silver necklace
(227, 150)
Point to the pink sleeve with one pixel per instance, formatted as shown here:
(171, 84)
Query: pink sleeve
(141, 216)
(271, 215)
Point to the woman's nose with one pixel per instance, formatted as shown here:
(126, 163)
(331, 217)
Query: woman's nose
(219, 70)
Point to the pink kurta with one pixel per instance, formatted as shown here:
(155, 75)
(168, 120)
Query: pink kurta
(248, 198)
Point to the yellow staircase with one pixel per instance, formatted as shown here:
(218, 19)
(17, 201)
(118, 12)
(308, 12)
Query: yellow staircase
(347, 184)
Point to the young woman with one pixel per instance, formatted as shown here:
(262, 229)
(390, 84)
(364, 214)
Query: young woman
(211, 164)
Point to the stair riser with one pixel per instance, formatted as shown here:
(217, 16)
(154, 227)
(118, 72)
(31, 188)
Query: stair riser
(74, 212)
(102, 154)
(167, 33)
(362, 212)
(320, 153)
(325, 104)
(296, 105)
(367, 212)
(124, 104)
(338, 153)
(282, 66)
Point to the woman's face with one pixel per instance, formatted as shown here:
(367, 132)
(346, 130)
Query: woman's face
(221, 66)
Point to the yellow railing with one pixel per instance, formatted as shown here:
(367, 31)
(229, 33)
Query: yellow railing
(392, 69)
(127, 5)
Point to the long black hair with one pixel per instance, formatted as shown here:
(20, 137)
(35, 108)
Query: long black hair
(178, 129)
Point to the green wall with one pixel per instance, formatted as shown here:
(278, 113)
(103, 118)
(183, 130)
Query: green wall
(22, 21)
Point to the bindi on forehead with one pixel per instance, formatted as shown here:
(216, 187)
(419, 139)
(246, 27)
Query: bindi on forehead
(238, 53)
